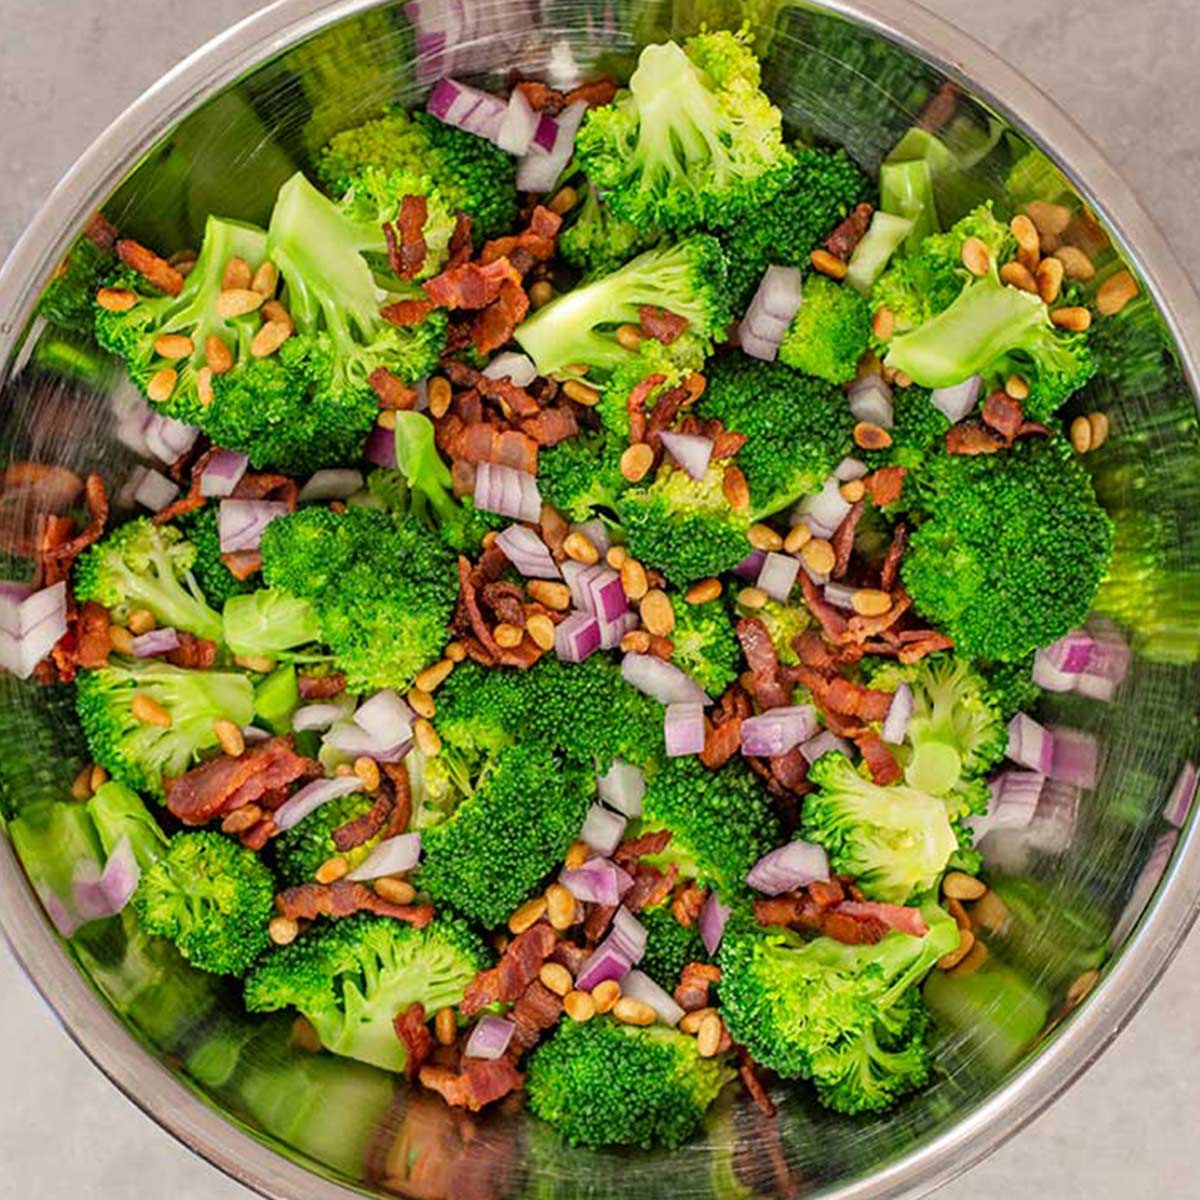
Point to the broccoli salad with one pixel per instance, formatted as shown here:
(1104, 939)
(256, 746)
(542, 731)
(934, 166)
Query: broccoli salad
(611, 552)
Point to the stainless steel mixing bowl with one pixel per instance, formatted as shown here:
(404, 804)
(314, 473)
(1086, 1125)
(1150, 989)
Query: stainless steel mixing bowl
(219, 134)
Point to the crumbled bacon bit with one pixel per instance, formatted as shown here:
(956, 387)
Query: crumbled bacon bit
(541, 96)
(842, 241)
(790, 771)
(517, 969)
(551, 426)
(193, 653)
(392, 391)
(481, 1082)
(594, 93)
(843, 540)
(30, 491)
(635, 405)
(516, 399)
(406, 242)
(663, 326)
(688, 902)
(767, 685)
(360, 830)
(459, 248)
(343, 898)
(650, 887)
(495, 326)
(537, 241)
(890, 570)
(100, 231)
(885, 486)
(193, 498)
(971, 438)
(597, 921)
(832, 620)
(631, 849)
(91, 632)
(663, 413)
(893, 916)
(696, 979)
(412, 1030)
(97, 502)
(721, 742)
(930, 642)
(154, 269)
(242, 564)
(882, 764)
(471, 286)
(407, 312)
(852, 931)
(258, 485)
(1003, 414)
(537, 1010)
(321, 687)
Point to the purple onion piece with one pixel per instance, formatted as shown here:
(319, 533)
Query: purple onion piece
(223, 473)
(385, 718)
(392, 856)
(1030, 744)
(954, 403)
(899, 714)
(623, 788)
(870, 399)
(241, 523)
(750, 566)
(529, 555)
(577, 637)
(310, 797)
(490, 1038)
(157, 641)
(792, 866)
(778, 575)
(713, 917)
(333, 483)
(602, 830)
(683, 729)
(1074, 757)
(825, 743)
(639, 986)
(598, 881)
(691, 451)
(662, 681)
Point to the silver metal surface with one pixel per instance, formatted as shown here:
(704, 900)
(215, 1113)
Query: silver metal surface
(220, 132)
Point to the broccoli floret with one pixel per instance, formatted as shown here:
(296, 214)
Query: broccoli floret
(470, 172)
(840, 1015)
(1013, 550)
(818, 190)
(918, 429)
(607, 1084)
(582, 475)
(299, 851)
(383, 589)
(597, 242)
(119, 814)
(706, 646)
(212, 897)
(69, 298)
(141, 754)
(721, 822)
(895, 840)
(216, 580)
(507, 836)
(351, 977)
(669, 946)
(831, 332)
(785, 623)
(657, 369)
(799, 428)
(269, 622)
(687, 279)
(143, 565)
(1010, 686)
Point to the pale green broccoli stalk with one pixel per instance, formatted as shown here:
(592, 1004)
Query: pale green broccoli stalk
(269, 622)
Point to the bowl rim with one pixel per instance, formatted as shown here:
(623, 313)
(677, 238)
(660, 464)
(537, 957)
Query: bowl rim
(161, 1094)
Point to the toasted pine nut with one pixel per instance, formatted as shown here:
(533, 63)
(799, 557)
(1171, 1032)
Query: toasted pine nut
(439, 395)
(1047, 244)
(1081, 435)
(1025, 231)
(708, 1037)
(174, 346)
(735, 488)
(237, 302)
(956, 910)
(122, 639)
(763, 537)
(508, 636)
(1098, 422)
(615, 556)
(260, 664)
(395, 891)
(283, 931)
(870, 602)
(229, 737)
(541, 293)
(798, 537)
(148, 710)
(579, 1006)
(161, 386)
(975, 959)
(577, 855)
(140, 621)
(581, 548)
(868, 436)
(116, 300)
(242, 819)
(696, 385)
(636, 641)
(426, 737)
(829, 265)
(883, 323)
(703, 592)
(81, 789)
(445, 1026)
(853, 490)
(657, 614)
(1075, 320)
(1051, 219)
(1116, 292)
(634, 1012)
(966, 943)
(962, 886)
(304, 1037)
(456, 652)
(1075, 263)
(367, 769)
(272, 310)
(556, 977)
(332, 869)
(1016, 388)
(528, 915)
(421, 703)
(629, 337)
(990, 913)
(217, 355)
(563, 200)
(1018, 275)
(204, 386)
(581, 393)
(819, 555)
(977, 258)
(385, 420)
(752, 598)
(432, 677)
(560, 907)
(237, 274)
(633, 579)
(690, 1022)
(266, 278)
(541, 631)
(1050, 274)
(556, 596)
(269, 338)
(1081, 988)
(636, 461)
(606, 994)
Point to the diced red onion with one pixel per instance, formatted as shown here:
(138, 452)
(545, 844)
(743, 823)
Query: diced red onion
(1072, 653)
(778, 575)
(778, 299)
(713, 917)
(1143, 890)
(241, 523)
(606, 597)
(157, 641)
(385, 718)
(848, 469)
(899, 714)
(623, 788)
(825, 743)
(956, 402)
(466, 108)
(528, 553)
(577, 637)
(31, 626)
(352, 739)
(607, 961)
(1013, 804)
(663, 681)
(870, 399)
(223, 473)
(333, 483)
(1095, 687)
(602, 830)
(630, 933)
(691, 451)
(1183, 795)
(596, 532)
(105, 893)
(612, 632)
(598, 881)
(825, 511)
(1030, 744)
(576, 576)
(491, 1035)
(792, 866)
(380, 449)
(1052, 829)
(1046, 675)
(750, 566)
(546, 133)
(518, 368)
(251, 734)
(507, 491)
(316, 716)
(310, 797)
(155, 491)
(392, 856)
(757, 346)
(639, 986)
(517, 127)
(777, 730)
(168, 439)
(839, 595)
(683, 729)
(540, 168)
(1074, 757)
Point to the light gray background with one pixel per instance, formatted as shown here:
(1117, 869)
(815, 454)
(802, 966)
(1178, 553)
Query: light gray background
(1126, 70)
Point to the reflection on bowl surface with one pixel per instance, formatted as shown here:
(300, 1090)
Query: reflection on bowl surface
(1068, 892)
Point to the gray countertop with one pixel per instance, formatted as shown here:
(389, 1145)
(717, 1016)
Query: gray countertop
(1127, 72)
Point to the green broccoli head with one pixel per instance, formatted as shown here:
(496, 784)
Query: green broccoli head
(823, 1010)
(831, 331)
(896, 841)
(143, 565)
(669, 946)
(69, 299)
(351, 977)
(212, 897)
(693, 142)
(721, 822)
(507, 836)
(380, 637)
(597, 242)
(142, 754)
(216, 580)
(1010, 686)
(706, 646)
(798, 428)
(582, 475)
(687, 279)
(1012, 551)
(607, 1084)
(918, 430)
(653, 371)
(299, 851)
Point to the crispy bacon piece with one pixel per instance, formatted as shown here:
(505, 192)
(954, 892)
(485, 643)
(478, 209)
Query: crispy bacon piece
(650, 887)
(541, 96)
(241, 564)
(826, 892)
(192, 499)
(859, 629)
(569, 955)
(832, 621)
(725, 442)
(412, 1030)
(665, 409)
(469, 616)
(518, 401)
(91, 632)
(459, 248)
(1034, 429)
(537, 242)
(407, 312)
(406, 245)
(343, 898)
(551, 426)
(631, 849)
(890, 571)
(537, 1010)
(930, 643)
(790, 770)
(939, 108)
(485, 443)
(635, 404)
(495, 326)
(505, 599)
(846, 236)
(661, 325)
(97, 502)
(398, 819)
(260, 485)
(767, 686)
(688, 902)
(597, 921)
(392, 391)
(471, 286)
(594, 93)
(814, 652)
(885, 485)
(321, 687)
(481, 1082)
(972, 437)
(225, 783)
(517, 969)
(696, 979)
(853, 931)
(155, 270)
(360, 830)
(882, 764)
(843, 540)
(894, 916)
(1003, 414)
(797, 909)
(100, 231)
(854, 700)
(748, 1073)
(29, 492)
(193, 653)
(721, 742)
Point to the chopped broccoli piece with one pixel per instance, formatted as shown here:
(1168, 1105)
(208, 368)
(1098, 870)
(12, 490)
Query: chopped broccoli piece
(351, 977)
(669, 946)
(597, 242)
(212, 898)
(216, 580)
(299, 851)
(831, 332)
(603, 1084)
(120, 814)
(269, 622)
(69, 299)
(906, 191)
(582, 475)
(706, 646)
(918, 429)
